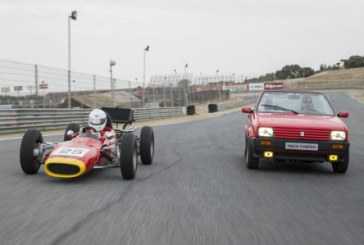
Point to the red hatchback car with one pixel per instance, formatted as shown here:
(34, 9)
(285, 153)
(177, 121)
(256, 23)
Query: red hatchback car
(296, 125)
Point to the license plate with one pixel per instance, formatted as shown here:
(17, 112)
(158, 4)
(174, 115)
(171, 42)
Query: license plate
(301, 146)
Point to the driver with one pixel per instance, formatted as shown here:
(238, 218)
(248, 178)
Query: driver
(100, 123)
(307, 104)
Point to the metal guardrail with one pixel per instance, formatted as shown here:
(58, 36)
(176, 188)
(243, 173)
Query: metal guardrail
(142, 114)
(18, 120)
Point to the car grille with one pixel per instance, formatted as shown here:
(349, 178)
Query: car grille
(64, 169)
(295, 133)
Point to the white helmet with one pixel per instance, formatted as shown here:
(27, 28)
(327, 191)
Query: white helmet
(97, 119)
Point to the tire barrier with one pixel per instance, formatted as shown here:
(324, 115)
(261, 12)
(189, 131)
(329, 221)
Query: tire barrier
(213, 108)
(191, 110)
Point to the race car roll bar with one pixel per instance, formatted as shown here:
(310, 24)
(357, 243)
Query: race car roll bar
(120, 115)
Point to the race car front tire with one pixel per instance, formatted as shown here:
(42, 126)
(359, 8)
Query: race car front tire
(75, 127)
(342, 166)
(147, 145)
(250, 161)
(128, 156)
(28, 162)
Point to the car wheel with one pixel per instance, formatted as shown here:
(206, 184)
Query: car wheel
(128, 156)
(31, 140)
(147, 145)
(250, 161)
(75, 127)
(342, 166)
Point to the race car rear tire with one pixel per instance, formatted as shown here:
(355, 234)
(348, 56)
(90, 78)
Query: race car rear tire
(342, 166)
(75, 127)
(128, 156)
(250, 161)
(146, 145)
(28, 162)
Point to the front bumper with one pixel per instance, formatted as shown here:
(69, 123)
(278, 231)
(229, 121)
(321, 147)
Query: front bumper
(278, 148)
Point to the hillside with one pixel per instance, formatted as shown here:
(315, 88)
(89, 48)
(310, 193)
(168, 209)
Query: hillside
(356, 74)
(339, 79)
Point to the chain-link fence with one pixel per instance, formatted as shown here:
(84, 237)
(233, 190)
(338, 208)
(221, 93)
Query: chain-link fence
(32, 85)
(183, 95)
(38, 86)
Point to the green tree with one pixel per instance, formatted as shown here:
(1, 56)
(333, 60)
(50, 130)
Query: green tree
(354, 62)
(307, 71)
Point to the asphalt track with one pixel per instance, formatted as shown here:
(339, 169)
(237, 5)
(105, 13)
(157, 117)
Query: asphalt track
(197, 192)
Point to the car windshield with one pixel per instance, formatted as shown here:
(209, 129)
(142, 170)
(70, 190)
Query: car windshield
(297, 103)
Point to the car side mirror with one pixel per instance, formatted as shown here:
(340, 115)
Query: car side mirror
(343, 114)
(246, 110)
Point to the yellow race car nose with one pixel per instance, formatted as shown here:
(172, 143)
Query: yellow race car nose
(61, 167)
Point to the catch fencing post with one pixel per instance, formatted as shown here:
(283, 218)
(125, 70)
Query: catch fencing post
(171, 93)
(130, 94)
(185, 91)
(112, 82)
(36, 79)
(94, 87)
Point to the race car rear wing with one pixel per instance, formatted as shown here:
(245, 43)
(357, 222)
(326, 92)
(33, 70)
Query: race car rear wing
(120, 115)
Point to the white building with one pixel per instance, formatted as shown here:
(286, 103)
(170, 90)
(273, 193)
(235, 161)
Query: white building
(174, 78)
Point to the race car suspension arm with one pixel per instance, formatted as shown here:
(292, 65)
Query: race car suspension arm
(43, 150)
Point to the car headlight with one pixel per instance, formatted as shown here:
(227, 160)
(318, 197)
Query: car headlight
(265, 132)
(338, 135)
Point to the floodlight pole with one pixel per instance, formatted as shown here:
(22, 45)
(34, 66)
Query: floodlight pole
(112, 84)
(217, 83)
(185, 88)
(146, 49)
(73, 16)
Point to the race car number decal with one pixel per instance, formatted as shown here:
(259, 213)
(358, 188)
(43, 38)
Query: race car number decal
(70, 151)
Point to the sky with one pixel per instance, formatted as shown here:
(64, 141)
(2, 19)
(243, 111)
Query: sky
(249, 37)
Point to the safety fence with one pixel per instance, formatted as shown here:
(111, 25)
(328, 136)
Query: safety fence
(22, 79)
(25, 85)
(18, 120)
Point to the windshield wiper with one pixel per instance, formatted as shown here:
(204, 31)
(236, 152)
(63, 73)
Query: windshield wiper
(277, 107)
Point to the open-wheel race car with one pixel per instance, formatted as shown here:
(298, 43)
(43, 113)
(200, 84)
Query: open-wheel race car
(92, 147)
(296, 126)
